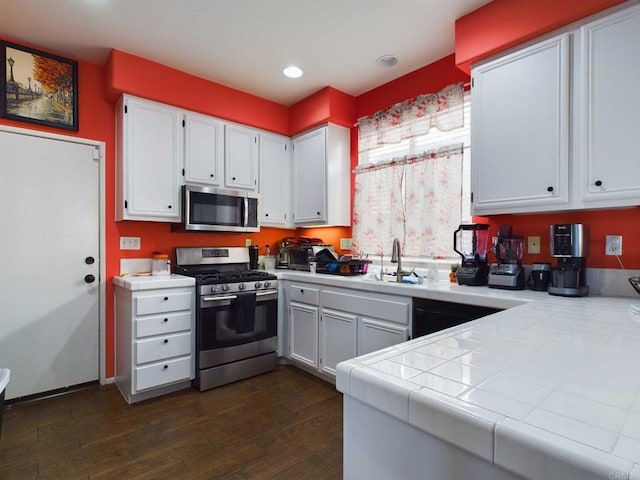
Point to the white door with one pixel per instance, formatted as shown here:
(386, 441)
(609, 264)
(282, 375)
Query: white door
(303, 340)
(309, 177)
(337, 339)
(374, 335)
(49, 209)
(275, 183)
(240, 157)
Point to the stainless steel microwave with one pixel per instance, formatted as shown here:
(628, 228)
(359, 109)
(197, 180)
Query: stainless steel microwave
(212, 209)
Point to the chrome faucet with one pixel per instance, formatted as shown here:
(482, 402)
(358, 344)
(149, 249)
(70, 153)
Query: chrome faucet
(396, 257)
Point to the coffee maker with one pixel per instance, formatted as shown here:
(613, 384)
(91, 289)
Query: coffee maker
(470, 242)
(568, 245)
(508, 272)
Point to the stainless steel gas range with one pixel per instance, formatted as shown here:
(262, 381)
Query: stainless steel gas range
(236, 314)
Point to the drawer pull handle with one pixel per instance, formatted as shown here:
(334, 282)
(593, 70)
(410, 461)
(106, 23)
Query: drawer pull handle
(166, 319)
(165, 367)
(166, 340)
(302, 291)
(166, 298)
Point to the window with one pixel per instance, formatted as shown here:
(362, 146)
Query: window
(413, 177)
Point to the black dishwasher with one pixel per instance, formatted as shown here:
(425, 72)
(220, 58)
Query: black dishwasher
(434, 315)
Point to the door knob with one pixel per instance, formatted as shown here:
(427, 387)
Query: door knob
(89, 260)
(89, 278)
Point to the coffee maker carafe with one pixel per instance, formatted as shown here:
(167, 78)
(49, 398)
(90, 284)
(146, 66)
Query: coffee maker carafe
(508, 272)
(470, 242)
(568, 246)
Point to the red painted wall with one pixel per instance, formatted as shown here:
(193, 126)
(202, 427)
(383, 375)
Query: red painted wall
(501, 24)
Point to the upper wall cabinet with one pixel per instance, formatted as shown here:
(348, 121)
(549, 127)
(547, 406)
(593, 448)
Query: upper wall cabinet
(520, 130)
(275, 181)
(611, 123)
(149, 139)
(321, 177)
(241, 157)
(203, 149)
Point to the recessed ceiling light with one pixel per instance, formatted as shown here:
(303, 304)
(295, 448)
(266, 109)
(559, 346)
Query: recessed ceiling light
(292, 71)
(387, 60)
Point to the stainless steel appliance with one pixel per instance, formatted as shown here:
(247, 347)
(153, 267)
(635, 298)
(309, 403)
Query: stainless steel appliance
(470, 242)
(568, 245)
(508, 272)
(213, 209)
(236, 314)
(431, 316)
(296, 253)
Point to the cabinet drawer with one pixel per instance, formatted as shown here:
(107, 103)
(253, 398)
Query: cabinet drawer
(392, 309)
(162, 324)
(165, 346)
(163, 302)
(163, 373)
(304, 294)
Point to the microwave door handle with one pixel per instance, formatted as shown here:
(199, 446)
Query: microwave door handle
(246, 212)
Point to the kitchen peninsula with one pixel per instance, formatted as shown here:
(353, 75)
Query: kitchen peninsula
(546, 388)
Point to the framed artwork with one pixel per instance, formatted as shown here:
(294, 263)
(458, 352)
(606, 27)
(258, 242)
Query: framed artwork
(38, 87)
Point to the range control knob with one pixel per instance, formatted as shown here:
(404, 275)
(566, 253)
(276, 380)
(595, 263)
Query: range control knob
(225, 288)
(257, 285)
(267, 284)
(214, 289)
(241, 286)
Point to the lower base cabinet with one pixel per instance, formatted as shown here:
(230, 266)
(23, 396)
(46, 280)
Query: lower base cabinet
(327, 326)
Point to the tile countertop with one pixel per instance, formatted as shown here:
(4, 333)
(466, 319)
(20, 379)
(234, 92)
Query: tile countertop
(546, 389)
(153, 282)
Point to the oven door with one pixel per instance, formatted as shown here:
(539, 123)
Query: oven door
(236, 326)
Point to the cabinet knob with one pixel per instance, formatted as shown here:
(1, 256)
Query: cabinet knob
(166, 298)
(266, 214)
(166, 340)
(169, 207)
(212, 175)
(166, 319)
(302, 290)
(317, 213)
(165, 367)
(598, 183)
(549, 189)
(233, 178)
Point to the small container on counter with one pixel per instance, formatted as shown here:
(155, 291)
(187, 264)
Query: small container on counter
(160, 264)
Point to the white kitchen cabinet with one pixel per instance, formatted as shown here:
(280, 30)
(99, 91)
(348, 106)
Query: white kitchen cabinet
(321, 177)
(337, 339)
(275, 181)
(241, 157)
(327, 325)
(610, 122)
(520, 130)
(203, 149)
(149, 139)
(375, 335)
(154, 337)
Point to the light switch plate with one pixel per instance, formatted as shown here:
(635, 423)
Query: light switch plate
(534, 245)
(129, 243)
(346, 243)
(247, 242)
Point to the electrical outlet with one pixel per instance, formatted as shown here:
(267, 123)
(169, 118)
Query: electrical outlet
(534, 245)
(613, 245)
(247, 242)
(346, 244)
(129, 243)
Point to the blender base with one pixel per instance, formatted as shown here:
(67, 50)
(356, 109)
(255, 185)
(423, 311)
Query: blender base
(568, 291)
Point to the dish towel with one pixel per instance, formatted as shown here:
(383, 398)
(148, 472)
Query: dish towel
(245, 312)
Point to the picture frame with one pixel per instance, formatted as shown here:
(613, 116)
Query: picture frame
(38, 87)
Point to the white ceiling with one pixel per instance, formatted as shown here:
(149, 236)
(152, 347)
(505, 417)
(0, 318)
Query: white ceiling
(244, 44)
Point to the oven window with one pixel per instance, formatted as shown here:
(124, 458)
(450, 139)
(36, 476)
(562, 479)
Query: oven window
(223, 326)
(214, 209)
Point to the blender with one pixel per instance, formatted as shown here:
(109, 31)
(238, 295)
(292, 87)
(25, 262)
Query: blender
(508, 272)
(568, 246)
(470, 242)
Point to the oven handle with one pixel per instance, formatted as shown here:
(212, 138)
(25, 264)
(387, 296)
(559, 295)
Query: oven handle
(233, 297)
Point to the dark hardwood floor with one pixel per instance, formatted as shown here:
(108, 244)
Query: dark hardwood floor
(285, 424)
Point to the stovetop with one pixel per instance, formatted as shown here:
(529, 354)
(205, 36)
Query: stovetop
(213, 278)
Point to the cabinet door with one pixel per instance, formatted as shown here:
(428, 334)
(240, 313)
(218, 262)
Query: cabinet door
(240, 157)
(520, 130)
(152, 158)
(309, 177)
(374, 335)
(611, 104)
(203, 149)
(303, 333)
(337, 339)
(275, 180)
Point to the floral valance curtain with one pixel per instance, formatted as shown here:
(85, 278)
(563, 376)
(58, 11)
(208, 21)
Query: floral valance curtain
(443, 110)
